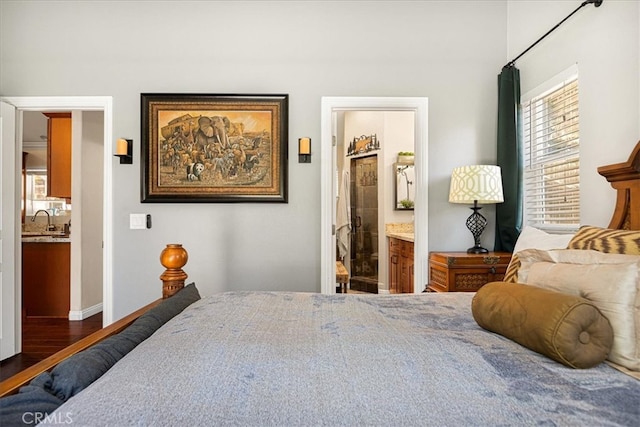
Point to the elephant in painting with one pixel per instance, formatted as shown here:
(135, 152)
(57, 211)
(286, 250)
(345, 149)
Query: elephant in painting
(221, 125)
(213, 129)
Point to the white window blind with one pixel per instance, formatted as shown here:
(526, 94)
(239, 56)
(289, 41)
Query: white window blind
(551, 125)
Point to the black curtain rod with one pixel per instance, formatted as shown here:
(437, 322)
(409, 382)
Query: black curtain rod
(596, 3)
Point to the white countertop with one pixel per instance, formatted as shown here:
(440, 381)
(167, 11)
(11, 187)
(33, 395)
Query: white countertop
(35, 237)
(402, 236)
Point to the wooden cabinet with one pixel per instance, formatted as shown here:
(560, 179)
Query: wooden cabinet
(46, 278)
(401, 269)
(59, 155)
(394, 265)
(406, 266)
(463, 272)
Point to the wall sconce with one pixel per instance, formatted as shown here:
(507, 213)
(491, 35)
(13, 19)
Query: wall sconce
(304, 150)
(124, 150)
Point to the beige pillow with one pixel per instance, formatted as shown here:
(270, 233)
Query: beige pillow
(533, 238)
(610, 281)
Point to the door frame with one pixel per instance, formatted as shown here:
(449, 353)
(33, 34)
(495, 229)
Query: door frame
(79, 103)
(9, 239)
(331, 105)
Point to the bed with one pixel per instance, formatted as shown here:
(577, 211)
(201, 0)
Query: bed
(299, 359)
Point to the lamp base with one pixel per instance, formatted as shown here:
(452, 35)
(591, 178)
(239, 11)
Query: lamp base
(476, 224)
(477, 250)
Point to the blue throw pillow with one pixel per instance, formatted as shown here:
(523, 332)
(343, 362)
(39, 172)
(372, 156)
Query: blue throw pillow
(80, 370)
(47, 392)
(31, 405)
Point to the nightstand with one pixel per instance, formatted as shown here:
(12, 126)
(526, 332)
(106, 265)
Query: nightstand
(463, 272)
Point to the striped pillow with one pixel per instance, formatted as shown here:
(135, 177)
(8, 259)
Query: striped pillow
(606, 240)
(511, 275)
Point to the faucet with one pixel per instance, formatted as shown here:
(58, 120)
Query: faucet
(50, 227)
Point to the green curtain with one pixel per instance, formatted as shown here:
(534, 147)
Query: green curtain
(510, 159)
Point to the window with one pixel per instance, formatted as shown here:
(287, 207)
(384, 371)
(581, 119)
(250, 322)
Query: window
(36, 195)
(552, 157)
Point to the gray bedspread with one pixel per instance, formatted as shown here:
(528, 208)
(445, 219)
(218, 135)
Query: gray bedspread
(301, 359)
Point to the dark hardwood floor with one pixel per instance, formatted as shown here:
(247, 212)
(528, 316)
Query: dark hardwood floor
(43, 337)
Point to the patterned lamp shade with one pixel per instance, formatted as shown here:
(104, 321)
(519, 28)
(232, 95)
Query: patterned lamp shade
(481, 183)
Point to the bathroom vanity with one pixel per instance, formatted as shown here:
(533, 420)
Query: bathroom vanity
(400, 237)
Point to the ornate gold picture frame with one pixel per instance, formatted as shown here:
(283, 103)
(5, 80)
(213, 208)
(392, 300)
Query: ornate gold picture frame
(214, 148)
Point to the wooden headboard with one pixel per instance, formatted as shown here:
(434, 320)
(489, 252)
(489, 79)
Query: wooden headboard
(625, 178)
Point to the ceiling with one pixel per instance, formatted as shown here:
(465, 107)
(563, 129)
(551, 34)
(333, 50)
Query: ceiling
(34, 129)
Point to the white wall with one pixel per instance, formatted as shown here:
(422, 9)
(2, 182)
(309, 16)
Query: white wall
(92, 192)
(37, 158)
(449, 52)
(605, 44)
(400, 136)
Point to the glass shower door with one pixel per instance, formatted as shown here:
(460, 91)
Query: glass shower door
(364, 224)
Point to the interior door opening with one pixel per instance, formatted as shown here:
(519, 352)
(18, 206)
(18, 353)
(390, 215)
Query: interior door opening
(332, 107)
(100, 106)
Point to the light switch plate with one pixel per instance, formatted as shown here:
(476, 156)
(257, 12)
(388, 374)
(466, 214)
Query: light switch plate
(137, 221)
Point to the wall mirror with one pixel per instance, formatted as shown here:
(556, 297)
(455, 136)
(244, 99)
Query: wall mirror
(405, 186)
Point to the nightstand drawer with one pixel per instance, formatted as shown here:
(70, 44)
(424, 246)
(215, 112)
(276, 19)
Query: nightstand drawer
(463, 272)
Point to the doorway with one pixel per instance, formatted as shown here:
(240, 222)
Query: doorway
(63, 278)
(330, 108)
(11, 341)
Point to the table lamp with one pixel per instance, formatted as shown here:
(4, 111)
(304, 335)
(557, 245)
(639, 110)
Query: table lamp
(477, 184)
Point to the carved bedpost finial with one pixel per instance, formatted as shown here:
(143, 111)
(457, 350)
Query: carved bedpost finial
(173, 258)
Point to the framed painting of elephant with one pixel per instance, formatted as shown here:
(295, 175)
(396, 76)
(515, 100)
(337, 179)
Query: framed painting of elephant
(214, 148)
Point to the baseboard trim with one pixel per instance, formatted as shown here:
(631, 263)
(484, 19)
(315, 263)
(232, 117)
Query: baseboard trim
(87, 312)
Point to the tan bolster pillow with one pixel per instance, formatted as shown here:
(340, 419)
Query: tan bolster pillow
(565, 328)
